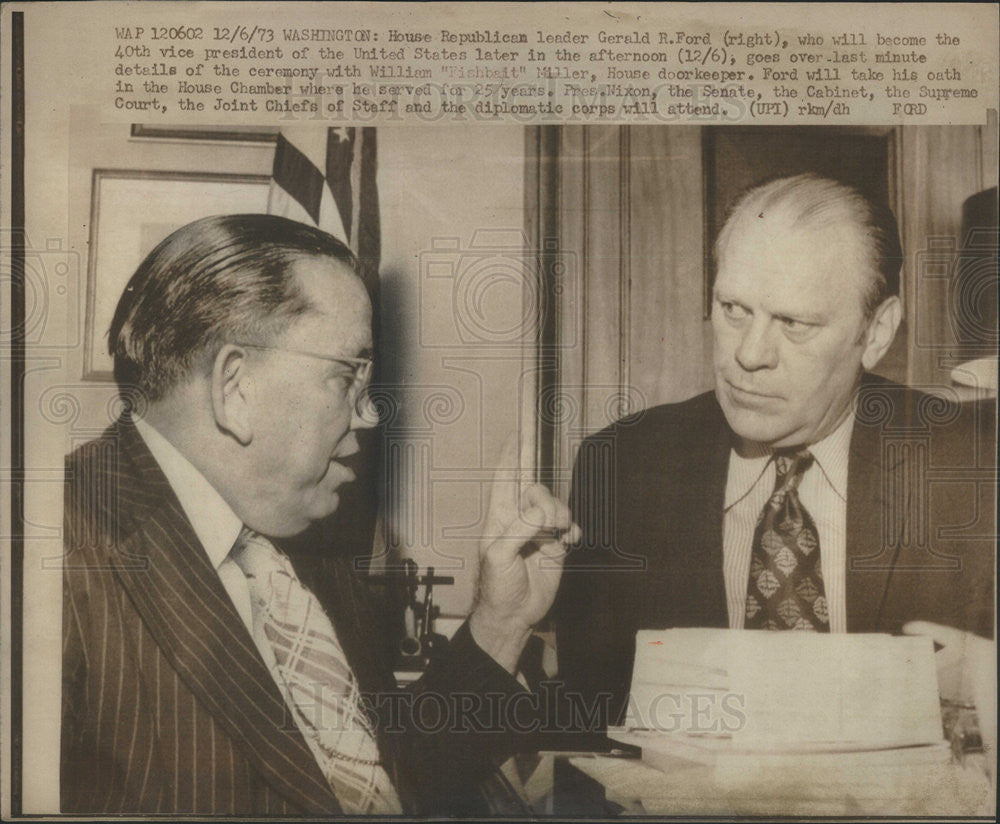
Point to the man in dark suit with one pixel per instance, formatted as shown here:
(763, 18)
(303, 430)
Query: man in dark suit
(211, 665)
(803, 493)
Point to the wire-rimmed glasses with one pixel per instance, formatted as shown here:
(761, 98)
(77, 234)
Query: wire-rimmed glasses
(361, 373)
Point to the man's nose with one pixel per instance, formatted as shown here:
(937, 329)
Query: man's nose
(757, 349)
(365, 415)
(348, 445)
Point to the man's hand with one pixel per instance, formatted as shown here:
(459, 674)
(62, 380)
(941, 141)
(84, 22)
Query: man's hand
(966, 672)
(520, 561)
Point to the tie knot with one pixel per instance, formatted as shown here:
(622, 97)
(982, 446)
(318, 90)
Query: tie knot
(256, 555)
(789, 467)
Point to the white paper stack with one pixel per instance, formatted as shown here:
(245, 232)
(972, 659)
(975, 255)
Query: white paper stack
(779, 716)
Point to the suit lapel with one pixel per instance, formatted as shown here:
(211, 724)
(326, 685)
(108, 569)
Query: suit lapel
(164, 569)
(701, 484)
(716, 463)
(875, 483)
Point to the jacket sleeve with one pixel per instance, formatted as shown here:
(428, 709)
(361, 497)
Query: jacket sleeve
(453, 727)
(447, 732)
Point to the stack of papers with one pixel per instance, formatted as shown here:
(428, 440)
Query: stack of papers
(789, 715)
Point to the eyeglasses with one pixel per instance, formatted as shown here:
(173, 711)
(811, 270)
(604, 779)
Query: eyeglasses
(361, 372)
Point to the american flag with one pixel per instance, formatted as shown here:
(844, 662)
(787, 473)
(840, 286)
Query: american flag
(326, 177)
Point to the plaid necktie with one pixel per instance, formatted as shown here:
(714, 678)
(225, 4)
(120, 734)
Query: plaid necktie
(785, 590)
(309, 667)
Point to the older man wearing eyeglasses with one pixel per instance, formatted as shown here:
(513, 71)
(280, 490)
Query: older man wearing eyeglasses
(203, 671)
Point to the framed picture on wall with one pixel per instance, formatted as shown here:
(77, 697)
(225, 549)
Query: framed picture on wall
(213, 134)
(130, 212)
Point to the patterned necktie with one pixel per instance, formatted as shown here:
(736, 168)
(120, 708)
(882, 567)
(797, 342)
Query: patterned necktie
(786, 579)
(309, 667)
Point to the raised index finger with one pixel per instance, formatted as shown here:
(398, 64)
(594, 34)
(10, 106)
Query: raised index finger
(506, 490)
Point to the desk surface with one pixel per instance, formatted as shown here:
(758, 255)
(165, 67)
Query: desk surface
(595, 785)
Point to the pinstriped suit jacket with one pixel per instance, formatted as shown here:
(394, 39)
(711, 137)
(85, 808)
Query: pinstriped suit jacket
(167, 705)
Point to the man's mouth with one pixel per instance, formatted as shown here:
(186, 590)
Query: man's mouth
(752, 395)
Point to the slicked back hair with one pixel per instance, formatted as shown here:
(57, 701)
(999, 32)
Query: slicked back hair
(219, 279)
(809, 202)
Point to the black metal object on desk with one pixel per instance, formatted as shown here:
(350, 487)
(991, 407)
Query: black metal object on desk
(420, 643)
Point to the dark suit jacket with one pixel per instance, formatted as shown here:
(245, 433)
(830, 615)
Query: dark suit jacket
(648, 493)
(167, 705)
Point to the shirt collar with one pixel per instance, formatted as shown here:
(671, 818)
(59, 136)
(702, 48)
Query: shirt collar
(213, 520)
(747, 466)
(831, 455)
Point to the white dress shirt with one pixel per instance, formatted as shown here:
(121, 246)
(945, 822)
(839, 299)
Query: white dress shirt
(822, 491)
(213, 520)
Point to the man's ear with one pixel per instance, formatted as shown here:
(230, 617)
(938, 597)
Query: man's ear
(232, 393)
(881, 331)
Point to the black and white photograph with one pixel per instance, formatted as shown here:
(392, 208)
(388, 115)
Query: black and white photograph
(499, 411)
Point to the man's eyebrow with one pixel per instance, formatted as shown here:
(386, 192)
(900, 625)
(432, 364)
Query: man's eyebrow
(802, 317)
(722, 297)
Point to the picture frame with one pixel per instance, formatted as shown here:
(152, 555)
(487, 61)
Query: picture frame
(208, 133)
(119, 242)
